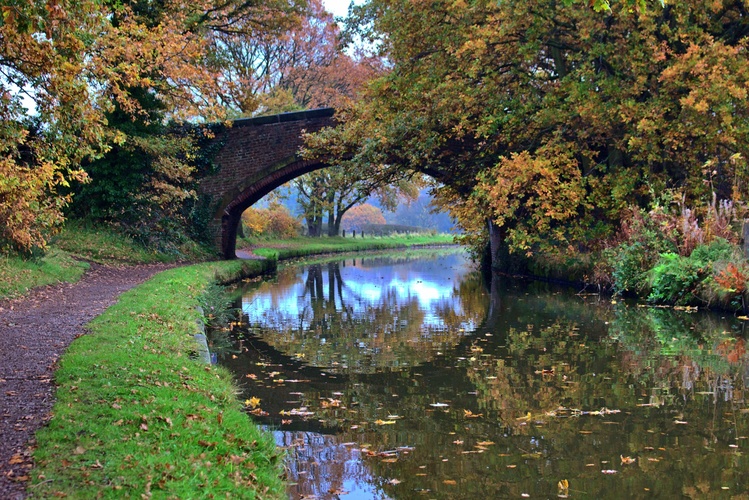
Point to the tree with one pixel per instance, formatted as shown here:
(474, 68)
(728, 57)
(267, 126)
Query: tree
(336, 190)
(300, 65)
(67, 65)
(361, 215)
(545, 120)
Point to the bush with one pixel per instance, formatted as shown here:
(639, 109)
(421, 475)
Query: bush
(274, 222)
(675, 280)
(716, 271)
(643, 238)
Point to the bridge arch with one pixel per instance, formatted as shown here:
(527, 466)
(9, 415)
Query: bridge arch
(254, 157)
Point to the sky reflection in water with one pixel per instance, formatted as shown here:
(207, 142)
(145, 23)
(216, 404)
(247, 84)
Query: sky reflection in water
(380, 391)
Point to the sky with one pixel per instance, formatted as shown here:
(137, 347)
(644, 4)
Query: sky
(337, 7)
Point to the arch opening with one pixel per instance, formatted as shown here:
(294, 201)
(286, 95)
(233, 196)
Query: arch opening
(232, 214)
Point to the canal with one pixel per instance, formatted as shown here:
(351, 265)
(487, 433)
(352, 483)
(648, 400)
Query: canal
(405, 376)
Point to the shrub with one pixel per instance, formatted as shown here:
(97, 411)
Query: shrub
(710, 272)
(675, 280)
(275, 222)
(643, 238)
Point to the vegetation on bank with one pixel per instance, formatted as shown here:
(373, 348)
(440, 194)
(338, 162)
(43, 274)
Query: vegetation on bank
(136, 416)
(18, 275)
(662, 256)
(282, 249)
(68, 255)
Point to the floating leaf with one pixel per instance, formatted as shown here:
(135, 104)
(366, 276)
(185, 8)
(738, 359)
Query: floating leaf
(384, 422)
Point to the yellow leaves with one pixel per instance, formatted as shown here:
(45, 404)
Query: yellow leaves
(253, 402)
(384, 422)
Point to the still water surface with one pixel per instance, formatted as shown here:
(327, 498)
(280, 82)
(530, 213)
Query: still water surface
(406, 377)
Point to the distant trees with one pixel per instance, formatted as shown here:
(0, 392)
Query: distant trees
(327, 195)
(361, 215)
(275, 221)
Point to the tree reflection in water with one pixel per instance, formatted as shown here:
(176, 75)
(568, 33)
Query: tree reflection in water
(459, 393)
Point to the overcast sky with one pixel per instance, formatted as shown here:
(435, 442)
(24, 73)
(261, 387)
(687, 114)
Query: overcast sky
(337, 7)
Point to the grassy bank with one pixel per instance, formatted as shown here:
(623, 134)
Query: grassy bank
(135, 416)
(68, 254)
(302, 247)
(19, 275)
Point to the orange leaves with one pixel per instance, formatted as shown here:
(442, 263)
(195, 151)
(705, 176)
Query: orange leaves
(530, 193)
(733, 278)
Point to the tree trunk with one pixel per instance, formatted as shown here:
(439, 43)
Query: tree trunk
(332, 226)
(495, 245)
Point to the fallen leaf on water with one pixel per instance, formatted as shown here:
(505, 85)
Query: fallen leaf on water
(384, 422)
(470, 414)
(253, 402)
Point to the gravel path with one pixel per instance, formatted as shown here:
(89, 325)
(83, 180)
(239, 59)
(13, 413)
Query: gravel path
(34, 332)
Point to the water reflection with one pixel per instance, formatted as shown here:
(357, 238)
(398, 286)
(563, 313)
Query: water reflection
(380, 394)
(364, 314)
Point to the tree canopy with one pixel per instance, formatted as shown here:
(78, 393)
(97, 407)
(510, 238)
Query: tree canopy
(65, 65)
(551, 118)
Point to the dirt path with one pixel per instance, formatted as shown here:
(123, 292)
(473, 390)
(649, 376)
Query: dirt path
(34, 332)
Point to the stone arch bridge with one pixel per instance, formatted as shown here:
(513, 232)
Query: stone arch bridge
(256, 156)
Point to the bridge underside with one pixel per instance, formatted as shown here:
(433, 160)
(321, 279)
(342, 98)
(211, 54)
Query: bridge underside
(230, 217)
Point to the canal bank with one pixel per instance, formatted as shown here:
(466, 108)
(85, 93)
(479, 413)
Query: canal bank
(136, 416)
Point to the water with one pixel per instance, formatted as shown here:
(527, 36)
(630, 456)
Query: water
(405, 377)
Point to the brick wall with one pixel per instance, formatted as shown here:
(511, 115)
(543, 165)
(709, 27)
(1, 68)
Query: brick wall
(258, 155)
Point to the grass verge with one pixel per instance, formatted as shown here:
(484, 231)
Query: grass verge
(18, 275)
(103, 245)
(136, 417)
(302, 247)
(77, 241)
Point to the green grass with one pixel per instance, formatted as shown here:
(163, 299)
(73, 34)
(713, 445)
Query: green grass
(302, 247)
(135, 416)
(18, 275)
(106, 246)
(62, 261)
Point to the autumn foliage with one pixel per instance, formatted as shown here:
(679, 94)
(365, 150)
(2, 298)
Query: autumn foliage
(66, 64)
(362, 215)
(550, 120)
(274, 221)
